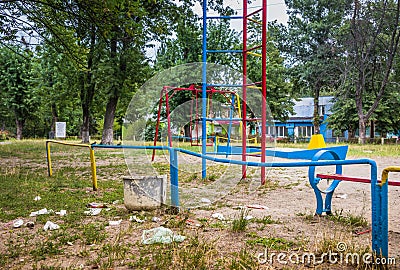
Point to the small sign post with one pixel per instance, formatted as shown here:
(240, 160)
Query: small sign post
(61, 129)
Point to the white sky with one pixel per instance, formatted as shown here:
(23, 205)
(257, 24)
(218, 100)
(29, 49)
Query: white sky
(276, 9)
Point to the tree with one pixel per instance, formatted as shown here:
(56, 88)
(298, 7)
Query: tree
(129, 27)
(372, 46)
(279, 90)
(15, 81)
(311, 45)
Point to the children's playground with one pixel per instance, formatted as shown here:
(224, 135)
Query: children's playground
(231, 187)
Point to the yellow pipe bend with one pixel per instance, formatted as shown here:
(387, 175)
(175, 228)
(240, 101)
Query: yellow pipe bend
(385, 173)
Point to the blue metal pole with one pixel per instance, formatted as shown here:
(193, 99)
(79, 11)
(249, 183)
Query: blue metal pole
(379, 205)
(173, 156)
(204, 95)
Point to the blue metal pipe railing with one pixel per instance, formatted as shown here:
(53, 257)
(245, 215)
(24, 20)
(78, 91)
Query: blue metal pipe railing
(378, 193)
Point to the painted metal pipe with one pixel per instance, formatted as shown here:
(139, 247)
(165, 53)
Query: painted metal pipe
(204, 94)
(244, 89)
(264, 87)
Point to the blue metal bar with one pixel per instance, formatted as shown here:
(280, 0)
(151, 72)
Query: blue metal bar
(173, 157)
(225, 17)
(224, 51)
(379, 194)
(204, 94)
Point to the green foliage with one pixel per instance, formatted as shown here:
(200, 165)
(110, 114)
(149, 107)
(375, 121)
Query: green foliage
(239, 224)
(18, 98)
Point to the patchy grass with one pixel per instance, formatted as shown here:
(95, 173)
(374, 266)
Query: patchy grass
(89, 242)
(348, 219)
(239, 224)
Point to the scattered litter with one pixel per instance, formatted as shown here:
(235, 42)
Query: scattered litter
(114, 222)
(62, 213)
(43, 211)
(249, 217)
(18, 223)
(341, 196)
(257, 206)
(93, 211)
(96, 205)
(30, 224)
(135, 218)
(363, 232)
(218, 216)
(160, 235)
(205, 200)
(70, 243)
(50, 226)
(192, 223)
(37, 198)
(156, 219)
(116, 202)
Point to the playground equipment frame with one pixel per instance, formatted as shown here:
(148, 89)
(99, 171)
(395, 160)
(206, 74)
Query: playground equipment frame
(91, 153)
(379, 190)
(245, 51)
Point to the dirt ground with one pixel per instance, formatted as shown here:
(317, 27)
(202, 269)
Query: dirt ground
(287, 198)
(286, 204)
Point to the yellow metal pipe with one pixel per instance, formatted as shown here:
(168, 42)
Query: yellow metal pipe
(254, 54)
(239, 113)
(254, 87)
(93, 166)
(254, 21)
(92, 159)
(49, 168)
(385, 174)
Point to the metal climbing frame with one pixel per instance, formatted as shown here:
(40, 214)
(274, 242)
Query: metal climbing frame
(245, 51)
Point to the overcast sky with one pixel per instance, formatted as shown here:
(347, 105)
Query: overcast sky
(276, 8)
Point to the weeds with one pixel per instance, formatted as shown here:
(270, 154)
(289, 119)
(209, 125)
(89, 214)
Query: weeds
(348, 219)
(273, 243)
(239, 224)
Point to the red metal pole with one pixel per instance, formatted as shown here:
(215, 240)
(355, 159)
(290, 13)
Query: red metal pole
(264, 87)
(244, 87)
(158, 123)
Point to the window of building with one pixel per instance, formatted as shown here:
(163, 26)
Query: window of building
(321, 110)
(281, 131)
(305, 131)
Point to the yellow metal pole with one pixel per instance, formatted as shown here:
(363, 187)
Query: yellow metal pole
(239, 113)
(92, 159)
(49, 169)
(93, 166)
(385, 173)
(254, 54)
(254, 21)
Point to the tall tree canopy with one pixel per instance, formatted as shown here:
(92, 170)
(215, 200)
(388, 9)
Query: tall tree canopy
(311, 47)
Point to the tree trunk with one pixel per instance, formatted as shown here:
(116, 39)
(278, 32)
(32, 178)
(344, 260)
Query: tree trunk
(54, 117)
(85, 123)
(108, 130)
(87, 90)
(362, 127)
(20, 127)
